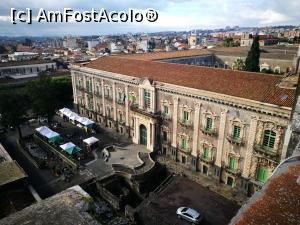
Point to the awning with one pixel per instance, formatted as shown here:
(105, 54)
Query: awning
(90, 140)
(73, 116)
(70, 148)
(47, 132)
(64, 111)
(84, 121)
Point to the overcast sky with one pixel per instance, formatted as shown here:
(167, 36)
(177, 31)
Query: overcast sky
(173, 15)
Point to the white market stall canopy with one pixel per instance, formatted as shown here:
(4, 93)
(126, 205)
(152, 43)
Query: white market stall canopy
(84, 121)
(46, 132)
(75, 117)
(67, 145)
(64, 111)
(70, 148)
(91, 140)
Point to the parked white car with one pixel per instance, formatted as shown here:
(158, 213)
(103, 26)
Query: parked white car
(189, 214)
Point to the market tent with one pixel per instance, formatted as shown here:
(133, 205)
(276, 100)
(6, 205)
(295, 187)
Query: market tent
(70, 148)
(48, 133)
(91, 140)
(73, 116)
(85, 121)
(63, 111)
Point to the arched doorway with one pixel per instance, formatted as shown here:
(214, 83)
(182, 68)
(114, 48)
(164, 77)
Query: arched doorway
(143, 135)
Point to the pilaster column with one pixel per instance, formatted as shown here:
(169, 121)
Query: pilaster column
(286, 141)
(250, 145)
(153, 102)
(73, 76)
(141, 98)
(103, 102)
(126, 106)
(196, 129)
(222, 130)
(175, 119)
(114, 101)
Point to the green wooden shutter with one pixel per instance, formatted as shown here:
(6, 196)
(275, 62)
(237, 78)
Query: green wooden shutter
(183, 143)
(232, 163)
(185, 116)
(269, 139)
(236, 132)
(262, 174)
(208, 124)
(206, 152)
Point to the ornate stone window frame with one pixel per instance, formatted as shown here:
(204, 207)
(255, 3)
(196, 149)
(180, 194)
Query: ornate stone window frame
(185, 108)
(188, 139)
(264, 125)
(208, 114)
(168, 104)
(210, 147)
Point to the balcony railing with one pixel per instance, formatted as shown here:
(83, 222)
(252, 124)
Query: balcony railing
(187, 151)
(120, 101)
(166, 142)
(210, 160)
(232, 171)
(98, 94)
(80, 88)
(211, 132)
(185, 123)
(135, 108)
(108, 97)
(235, 140)
(165, 116)
(267, 152)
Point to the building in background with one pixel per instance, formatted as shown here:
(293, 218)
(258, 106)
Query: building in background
(25, 69)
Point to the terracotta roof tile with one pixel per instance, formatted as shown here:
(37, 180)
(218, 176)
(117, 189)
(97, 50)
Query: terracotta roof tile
(278, 204)
(254, 86)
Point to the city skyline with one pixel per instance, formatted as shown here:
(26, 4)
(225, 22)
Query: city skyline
(172, 15)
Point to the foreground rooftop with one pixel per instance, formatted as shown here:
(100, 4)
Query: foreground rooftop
(68, 207)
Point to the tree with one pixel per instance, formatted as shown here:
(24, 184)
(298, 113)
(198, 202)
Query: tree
(252, 60)
(49, 94)
(3, 50)
(13, 106)
(239, 64)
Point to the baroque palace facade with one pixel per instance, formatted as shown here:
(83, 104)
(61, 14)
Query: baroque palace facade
(229, 125)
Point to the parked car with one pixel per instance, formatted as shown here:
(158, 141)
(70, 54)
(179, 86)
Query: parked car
(189, 214)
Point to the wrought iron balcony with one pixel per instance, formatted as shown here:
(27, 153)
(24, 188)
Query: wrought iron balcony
(210, 160)
(267, 152)
(185, 123)
(166, 142)
(80, 88)
(232, 171)
(187, 151)
(165, 116)
(146, 112)
(120, 101)
(211, 132)
(235, 140)
(98, 94)
(108, 97)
